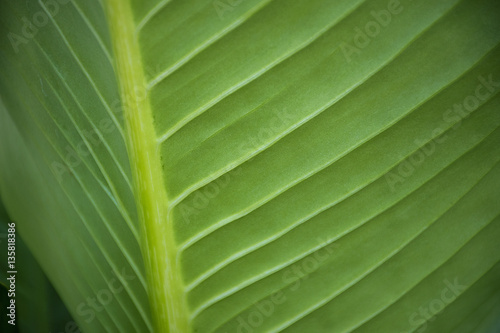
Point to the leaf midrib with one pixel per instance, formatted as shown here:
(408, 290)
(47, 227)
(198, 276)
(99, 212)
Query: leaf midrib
(158, 246)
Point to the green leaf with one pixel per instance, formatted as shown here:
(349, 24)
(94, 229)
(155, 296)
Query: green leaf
(38, 307)
(257, 166)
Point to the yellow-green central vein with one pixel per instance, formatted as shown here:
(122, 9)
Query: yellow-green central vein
(165, 285)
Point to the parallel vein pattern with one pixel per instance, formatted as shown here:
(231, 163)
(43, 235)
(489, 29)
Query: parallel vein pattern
(309, 143)
(258, 165)
(64, 161)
